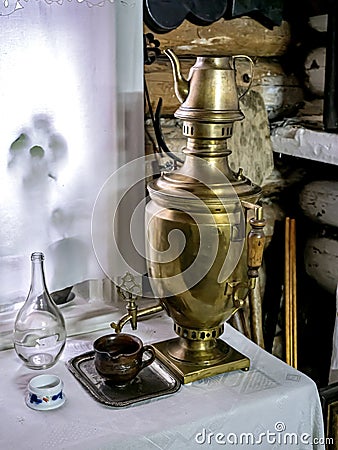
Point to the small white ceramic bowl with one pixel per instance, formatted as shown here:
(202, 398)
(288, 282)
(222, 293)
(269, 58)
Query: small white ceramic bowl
(45, 392)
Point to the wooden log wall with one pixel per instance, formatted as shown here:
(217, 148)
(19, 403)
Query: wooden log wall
(231, 37)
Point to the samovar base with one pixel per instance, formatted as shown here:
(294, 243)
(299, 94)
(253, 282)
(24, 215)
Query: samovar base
(227, 360)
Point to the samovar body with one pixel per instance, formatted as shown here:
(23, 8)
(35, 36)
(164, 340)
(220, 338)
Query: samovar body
(199, 265)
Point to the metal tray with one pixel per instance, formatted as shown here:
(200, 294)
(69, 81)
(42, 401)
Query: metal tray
(153, 381)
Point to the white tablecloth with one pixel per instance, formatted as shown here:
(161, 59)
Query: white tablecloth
(268, 403)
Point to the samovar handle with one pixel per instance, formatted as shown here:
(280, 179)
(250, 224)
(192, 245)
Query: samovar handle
(251, 70)
(255, 241)
(256, 244)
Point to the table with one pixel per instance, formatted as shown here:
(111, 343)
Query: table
(267, 403)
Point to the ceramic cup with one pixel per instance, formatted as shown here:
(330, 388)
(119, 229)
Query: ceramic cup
(120, 357)
(45, 392)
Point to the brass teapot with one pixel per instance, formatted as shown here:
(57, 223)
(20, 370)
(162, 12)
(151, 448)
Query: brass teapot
(210, 94)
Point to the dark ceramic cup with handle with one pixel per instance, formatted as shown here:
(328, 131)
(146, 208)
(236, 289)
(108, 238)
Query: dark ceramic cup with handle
(119, 358)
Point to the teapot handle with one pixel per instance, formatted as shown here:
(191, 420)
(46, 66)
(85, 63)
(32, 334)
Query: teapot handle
(251, 70)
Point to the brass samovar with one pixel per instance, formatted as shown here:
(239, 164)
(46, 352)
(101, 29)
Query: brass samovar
(204, 228)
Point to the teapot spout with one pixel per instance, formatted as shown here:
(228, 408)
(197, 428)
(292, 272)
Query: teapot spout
(181, 84)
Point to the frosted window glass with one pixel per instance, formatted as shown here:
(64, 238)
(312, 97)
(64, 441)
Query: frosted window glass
(70, 91)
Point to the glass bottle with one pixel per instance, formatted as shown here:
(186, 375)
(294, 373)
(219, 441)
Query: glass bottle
(39, 329)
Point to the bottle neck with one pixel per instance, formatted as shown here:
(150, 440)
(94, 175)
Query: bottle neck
(38, 283)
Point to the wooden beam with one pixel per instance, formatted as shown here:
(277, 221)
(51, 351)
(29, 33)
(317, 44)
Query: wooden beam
(236, 36)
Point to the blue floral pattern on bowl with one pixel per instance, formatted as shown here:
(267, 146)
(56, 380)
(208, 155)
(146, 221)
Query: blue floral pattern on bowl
(33, 398)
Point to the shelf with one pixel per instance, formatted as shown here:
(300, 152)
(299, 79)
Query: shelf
(296, 140)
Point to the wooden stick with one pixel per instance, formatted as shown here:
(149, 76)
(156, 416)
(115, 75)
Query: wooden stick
(293, 277)
(290, 292)
(287, 291)
(255, 302)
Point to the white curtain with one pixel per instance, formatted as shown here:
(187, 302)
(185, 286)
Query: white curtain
(71, 112)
